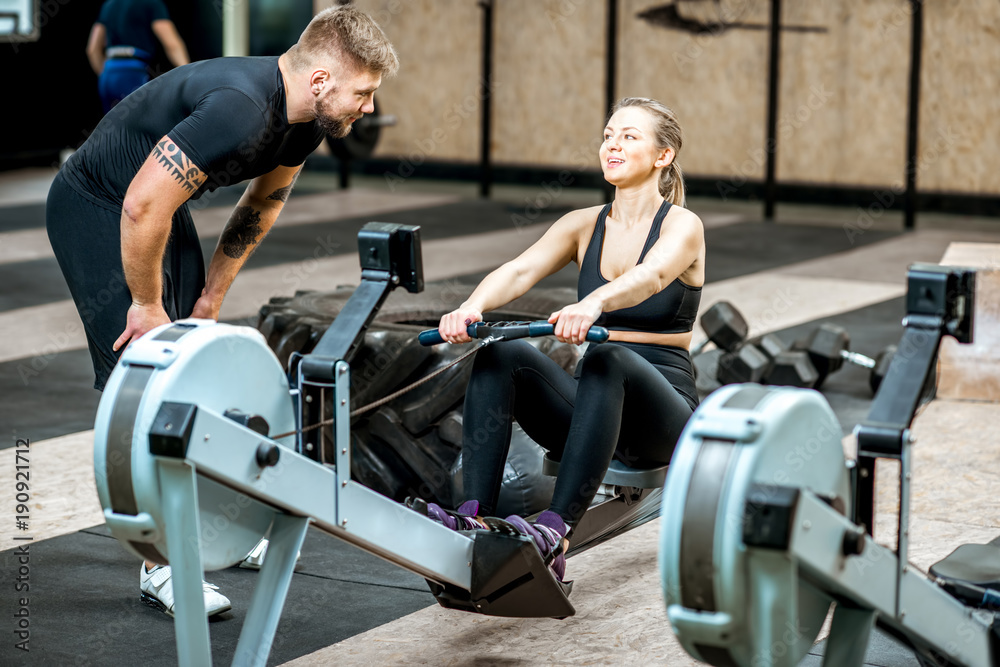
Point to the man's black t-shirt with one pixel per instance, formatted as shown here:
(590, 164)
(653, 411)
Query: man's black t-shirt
(227, 115)
(129, 22)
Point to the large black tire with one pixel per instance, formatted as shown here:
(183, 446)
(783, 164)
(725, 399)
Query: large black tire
(409, 446)
(524, 490)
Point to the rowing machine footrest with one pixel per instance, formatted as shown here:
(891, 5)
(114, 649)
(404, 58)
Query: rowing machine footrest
(509, 578)
(619, 474)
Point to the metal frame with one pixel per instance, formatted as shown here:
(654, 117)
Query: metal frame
(940, 302)
(878, 584)
(610, 77)
(773, 84)
(300, 492)
(486, 115)
(235, 28)
(299, 486)
(913, 113)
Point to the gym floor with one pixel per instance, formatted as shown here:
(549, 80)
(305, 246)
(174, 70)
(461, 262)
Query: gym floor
(813, 265)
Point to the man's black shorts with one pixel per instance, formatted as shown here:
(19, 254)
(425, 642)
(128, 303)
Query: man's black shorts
(85, 235)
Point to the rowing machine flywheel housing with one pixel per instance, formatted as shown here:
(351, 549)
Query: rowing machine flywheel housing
(216, 368)
(733, 595)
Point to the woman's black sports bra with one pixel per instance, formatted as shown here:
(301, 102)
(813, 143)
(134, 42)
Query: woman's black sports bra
(671, 310)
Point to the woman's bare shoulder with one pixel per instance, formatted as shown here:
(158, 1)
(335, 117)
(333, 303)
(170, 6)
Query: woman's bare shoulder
(683, 223)
(581, 217)
(684, 216)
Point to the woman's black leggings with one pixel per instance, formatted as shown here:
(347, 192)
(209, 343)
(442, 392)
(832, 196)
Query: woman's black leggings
(620, 406)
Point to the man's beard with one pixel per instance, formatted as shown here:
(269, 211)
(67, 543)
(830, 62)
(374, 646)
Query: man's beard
(337, 127)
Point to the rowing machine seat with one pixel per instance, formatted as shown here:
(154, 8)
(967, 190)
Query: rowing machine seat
(619, 474)
(976, 564)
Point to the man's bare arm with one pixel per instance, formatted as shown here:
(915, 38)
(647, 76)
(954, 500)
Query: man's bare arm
(250, 222)
(166, 180)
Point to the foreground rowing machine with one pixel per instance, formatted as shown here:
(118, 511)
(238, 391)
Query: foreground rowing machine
(764, 528)
(203, 445)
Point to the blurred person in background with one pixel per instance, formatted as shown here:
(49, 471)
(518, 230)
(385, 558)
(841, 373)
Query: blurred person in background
(122, 44)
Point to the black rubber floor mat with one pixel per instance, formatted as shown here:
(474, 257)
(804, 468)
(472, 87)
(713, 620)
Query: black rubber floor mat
(737, 250)
(84, 603)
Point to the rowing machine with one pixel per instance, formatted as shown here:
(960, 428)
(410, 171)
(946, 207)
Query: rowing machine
(203, 445)
(764, 521)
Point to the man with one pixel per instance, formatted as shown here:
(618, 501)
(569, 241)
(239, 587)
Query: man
(122, 43)
(116, 213)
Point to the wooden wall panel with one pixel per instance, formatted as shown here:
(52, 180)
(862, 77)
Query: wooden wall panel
(842, 100)
(437, 94)
(843, 95)
(713, 81)
(549, 64)
(960, 97)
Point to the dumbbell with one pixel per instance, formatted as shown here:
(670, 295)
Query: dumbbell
(792, 368)
(788, 367)
(768, 360)
(724, 325)
(746, 363)
(829, 347)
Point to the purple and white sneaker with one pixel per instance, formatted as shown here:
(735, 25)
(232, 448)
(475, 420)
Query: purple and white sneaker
(464, 518)
(547, 531)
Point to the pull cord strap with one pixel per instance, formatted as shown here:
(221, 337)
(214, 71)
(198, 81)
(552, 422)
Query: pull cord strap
(395, 394)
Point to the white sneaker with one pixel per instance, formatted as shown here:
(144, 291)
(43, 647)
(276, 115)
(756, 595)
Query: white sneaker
(255, 558)
(157, 590)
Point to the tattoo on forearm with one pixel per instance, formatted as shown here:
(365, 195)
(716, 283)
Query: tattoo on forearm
(281, 194)
(243, 231)
(173, 159)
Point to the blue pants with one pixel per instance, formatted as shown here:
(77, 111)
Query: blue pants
(120, 77)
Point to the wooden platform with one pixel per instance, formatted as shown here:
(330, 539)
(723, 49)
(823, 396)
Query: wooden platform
(972, 372)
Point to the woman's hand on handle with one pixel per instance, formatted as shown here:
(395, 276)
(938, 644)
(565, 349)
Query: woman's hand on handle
(574, 321)
(453, 326)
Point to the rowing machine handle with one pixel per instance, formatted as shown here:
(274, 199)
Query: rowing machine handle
(510, 331)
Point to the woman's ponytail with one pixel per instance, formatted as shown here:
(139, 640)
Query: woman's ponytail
(672, 184)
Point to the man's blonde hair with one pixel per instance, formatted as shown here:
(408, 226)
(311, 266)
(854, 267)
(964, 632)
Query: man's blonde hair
(345, 32)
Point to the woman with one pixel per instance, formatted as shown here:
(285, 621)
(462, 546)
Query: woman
(642, 264)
